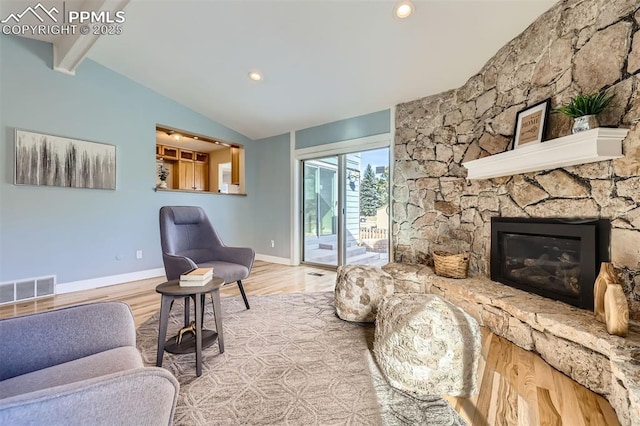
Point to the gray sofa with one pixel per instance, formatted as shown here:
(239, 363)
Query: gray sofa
(80, 366)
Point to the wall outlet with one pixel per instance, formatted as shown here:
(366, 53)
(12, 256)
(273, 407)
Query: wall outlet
(139, 254)
(273, 243)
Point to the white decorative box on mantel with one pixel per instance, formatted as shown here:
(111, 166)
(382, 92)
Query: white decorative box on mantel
(585, 147)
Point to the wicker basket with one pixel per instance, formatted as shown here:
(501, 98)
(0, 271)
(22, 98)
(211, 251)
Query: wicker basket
(451, 265)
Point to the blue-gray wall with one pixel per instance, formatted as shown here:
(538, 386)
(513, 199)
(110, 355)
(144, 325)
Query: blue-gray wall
(80, 234)
(273, 196)
(351, 128)
(77, 234)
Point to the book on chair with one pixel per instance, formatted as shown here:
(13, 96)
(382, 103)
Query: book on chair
(196, 277)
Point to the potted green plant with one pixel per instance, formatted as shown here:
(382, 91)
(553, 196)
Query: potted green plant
(163, 174)
(584, 108)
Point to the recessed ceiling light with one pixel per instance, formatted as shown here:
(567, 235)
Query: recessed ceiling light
(403, 9)
(255, 76)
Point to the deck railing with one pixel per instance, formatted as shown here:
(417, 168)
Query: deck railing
(373, 234)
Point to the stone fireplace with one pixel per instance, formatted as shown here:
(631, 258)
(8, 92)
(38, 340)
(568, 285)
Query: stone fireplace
(555, 258)
(575, 47)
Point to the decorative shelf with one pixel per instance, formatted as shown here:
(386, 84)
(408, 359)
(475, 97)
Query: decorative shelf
(585, 147)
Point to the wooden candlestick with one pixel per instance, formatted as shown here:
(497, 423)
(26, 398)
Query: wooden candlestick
(607, 274)
(616, 310)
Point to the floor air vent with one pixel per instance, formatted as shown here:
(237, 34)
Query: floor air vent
(14, 291)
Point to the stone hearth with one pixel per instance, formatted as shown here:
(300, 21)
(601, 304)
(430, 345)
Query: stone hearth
(568, 338)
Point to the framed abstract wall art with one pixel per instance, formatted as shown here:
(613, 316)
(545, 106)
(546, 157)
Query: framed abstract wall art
(48, 160)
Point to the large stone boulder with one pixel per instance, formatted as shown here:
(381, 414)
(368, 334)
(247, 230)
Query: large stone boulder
(359, 291)
(427, 346)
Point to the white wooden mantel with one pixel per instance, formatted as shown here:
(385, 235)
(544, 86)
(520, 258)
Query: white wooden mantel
(585, 147)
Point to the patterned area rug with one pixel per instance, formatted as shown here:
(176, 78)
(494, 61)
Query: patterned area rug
(288, 360)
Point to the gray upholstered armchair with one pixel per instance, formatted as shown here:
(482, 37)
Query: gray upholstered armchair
(188, 241)
(80, 366)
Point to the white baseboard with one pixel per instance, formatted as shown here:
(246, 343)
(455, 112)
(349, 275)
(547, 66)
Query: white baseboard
(110, 280)
(89, 284)
(274, 259)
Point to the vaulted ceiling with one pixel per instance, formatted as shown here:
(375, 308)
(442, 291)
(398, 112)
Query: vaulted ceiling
(321, 60)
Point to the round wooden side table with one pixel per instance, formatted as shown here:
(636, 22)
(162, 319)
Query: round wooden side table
(172, 290)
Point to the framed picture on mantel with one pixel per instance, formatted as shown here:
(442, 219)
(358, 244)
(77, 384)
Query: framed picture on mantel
(531, 123)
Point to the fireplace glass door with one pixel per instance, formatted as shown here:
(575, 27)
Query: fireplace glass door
(555, 258)
(544, 262)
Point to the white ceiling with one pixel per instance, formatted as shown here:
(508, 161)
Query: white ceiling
(322, 60)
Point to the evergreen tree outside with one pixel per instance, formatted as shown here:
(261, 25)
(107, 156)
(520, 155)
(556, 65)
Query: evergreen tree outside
(369, 196)
(382, 185)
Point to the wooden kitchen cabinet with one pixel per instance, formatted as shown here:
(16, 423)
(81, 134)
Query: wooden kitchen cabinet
(235, 166)
(185, 175)
(166, 152)
(186, 155)
(190, 169)
(200, 176)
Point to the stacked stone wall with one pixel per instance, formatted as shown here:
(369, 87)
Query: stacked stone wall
(578, 46)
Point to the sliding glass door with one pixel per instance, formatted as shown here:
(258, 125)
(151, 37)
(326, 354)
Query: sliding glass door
(320, 211)
(345, 214)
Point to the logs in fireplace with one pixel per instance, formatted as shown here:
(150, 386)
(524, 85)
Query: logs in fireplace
(555, 258)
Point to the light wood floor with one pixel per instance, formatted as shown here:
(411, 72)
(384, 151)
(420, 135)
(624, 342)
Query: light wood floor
(516, 386)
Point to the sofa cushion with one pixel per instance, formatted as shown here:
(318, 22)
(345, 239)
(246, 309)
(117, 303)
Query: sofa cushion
(100, 364)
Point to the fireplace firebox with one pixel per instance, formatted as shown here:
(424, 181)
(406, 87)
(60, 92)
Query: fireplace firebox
(555, 258)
